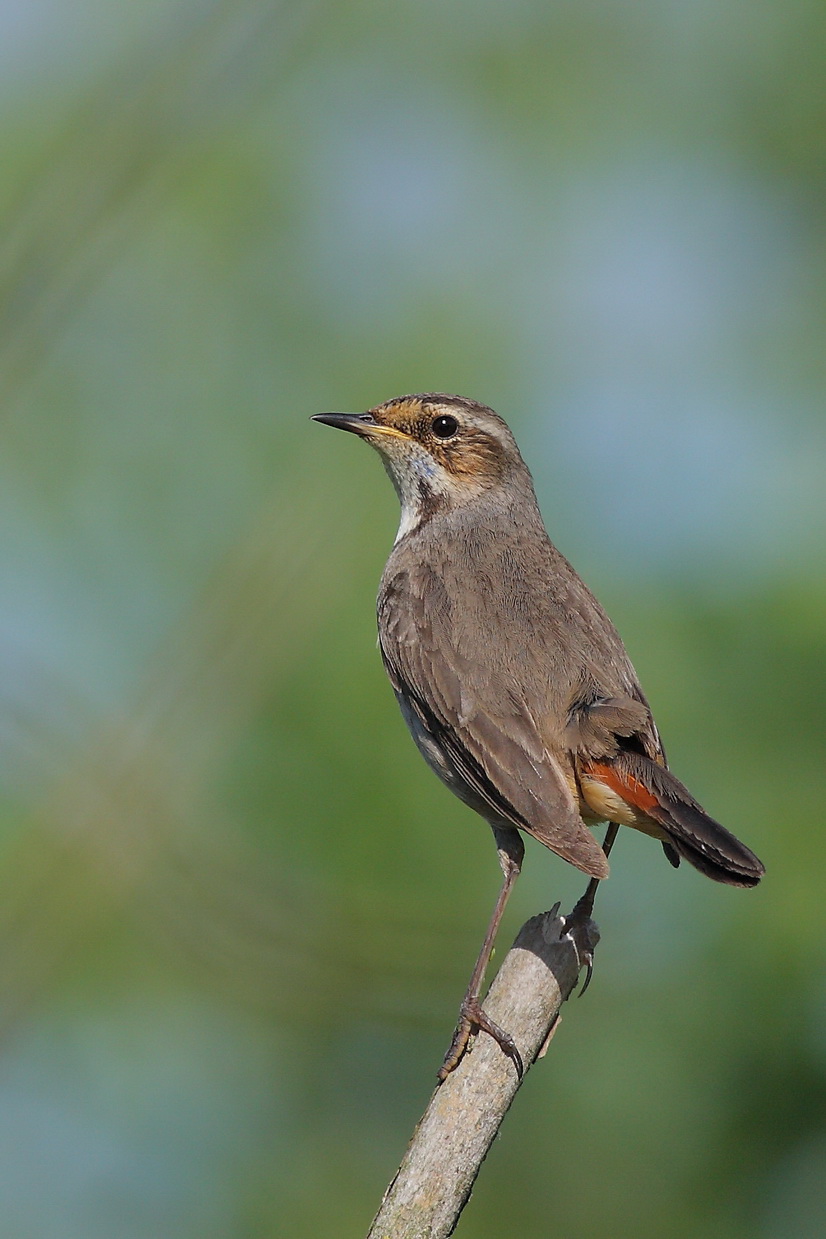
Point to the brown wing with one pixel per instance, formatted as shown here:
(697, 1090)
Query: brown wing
(477, 721)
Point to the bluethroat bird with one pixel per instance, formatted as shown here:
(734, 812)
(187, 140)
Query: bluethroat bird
(513, 681)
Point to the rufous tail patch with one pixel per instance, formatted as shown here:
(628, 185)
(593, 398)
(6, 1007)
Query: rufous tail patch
(631, 790)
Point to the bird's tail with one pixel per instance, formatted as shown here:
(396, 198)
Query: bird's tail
(653, 791)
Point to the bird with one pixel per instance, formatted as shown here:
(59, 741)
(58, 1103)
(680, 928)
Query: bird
(513, 681)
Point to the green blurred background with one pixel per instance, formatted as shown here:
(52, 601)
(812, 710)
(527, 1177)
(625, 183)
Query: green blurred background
(237, 911)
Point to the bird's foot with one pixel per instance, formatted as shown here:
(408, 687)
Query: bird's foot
(473, 1018)
(584, 934)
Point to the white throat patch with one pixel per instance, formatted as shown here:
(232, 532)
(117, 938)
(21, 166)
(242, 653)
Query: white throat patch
(413, 472)
(410, 520)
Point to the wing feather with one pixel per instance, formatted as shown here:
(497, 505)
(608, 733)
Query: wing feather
(486, 734)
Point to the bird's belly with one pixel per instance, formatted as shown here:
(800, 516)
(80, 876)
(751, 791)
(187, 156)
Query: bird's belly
(440, 763)
(430, 750)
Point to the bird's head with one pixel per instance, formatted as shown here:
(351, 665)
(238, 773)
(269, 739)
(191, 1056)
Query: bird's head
(441, 451)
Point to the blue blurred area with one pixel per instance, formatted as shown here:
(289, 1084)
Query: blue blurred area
(237, 911)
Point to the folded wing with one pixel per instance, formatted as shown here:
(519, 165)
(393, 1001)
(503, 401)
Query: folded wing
(478, 723)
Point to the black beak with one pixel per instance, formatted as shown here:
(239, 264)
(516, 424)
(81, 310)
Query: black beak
(358, 423)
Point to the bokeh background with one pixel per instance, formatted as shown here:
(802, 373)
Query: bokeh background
(237, 911)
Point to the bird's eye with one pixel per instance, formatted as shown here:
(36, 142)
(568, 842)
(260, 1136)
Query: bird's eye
(445, 427)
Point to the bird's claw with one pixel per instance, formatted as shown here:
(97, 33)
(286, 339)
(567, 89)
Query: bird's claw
(584, 934)
(472, 1016)
(586, 958)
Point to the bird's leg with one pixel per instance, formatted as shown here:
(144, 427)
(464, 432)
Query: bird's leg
(585, 905)
(511, 851)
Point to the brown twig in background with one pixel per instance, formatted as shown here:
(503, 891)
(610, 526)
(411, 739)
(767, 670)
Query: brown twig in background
(450, 1143)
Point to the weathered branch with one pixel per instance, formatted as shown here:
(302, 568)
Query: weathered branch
(449, 1145)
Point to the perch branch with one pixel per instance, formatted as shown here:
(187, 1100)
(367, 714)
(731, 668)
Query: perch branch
(449, 1145)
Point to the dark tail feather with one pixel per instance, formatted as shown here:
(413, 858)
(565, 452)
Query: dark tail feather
(704, 843)
(725, 860)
